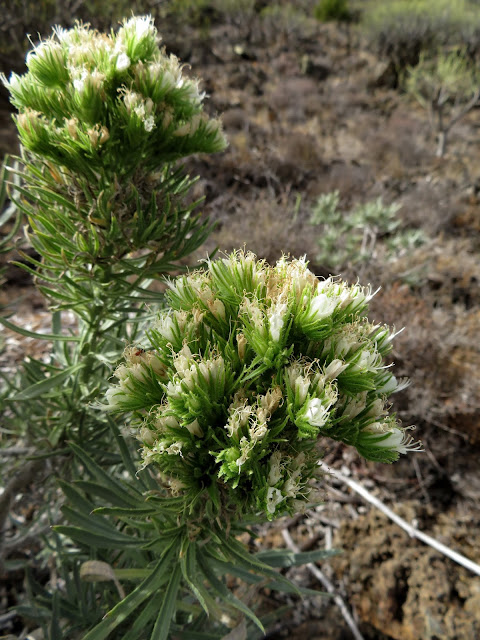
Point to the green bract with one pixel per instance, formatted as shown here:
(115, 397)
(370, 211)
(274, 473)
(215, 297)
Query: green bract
(91, 102)
(248, 369)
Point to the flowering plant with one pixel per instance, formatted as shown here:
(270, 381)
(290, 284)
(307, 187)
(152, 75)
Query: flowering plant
(114, 104)
(248, 368)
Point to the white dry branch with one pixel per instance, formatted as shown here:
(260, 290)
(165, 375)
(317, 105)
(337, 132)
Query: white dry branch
(412, 531)
(322, 578)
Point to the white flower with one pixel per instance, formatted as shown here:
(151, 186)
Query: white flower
(114, 397)
(241, 345)
(245, 448)
(212, 370)
(377, 409)
(252, 309)
(131, 100)
(163, 421)
(238, 418)
(276, 320)
(166, 327)
(141, 25)
(174, 449)
(320, 307)
(397, 440)
(257, 430)
(217, 307)
(274, 498)
(302, 385)
(392, 385)
(79, 83)
(296, 275)
(271, 400)
(334, 369)
(146, 435)
(195, 429)
(149, 123)
(184, 130)
(183, 360)
(167, 323)
(291, 486)
(355, 406)
(316, 414)
(368, 361)
(275, 473)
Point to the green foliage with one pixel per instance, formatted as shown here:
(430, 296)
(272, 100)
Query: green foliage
(447, 86)
(130, 569)
(327, 10)
(349, 238)
(400, 30)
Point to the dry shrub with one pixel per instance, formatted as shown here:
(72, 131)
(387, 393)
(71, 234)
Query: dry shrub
(268, 226)
(429, 202)
(445, 272)
(351, 179)
(398, 146)
(439, 349)
(294, 99)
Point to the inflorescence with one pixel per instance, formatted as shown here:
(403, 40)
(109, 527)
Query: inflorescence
(93, 100)
(251, 365)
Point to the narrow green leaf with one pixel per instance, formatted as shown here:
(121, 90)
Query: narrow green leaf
(237, 550)
(285, 558)
(199, 635)
(188, 565)
(132, 574)
(104, 493)
(128, 605)
(167, 610)
(38, 336)
(124, 450)
(97, 526)
(76, 498)
(52, 293)
(54, 627)
(251, 578)
(144, 620)
(107, 481)
(119, 511)
(99, 541)
(46, 385)
(226, 595)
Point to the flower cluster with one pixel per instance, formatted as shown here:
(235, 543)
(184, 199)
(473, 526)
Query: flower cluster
(247, 369)
(94, 100)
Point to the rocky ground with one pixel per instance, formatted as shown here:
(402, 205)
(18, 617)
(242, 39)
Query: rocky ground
(308, 109)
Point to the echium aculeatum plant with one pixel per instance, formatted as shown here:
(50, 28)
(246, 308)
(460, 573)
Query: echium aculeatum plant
(247, 370)
(101, 119)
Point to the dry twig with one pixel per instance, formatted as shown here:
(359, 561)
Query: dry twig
(412, 531)
(314, 570)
